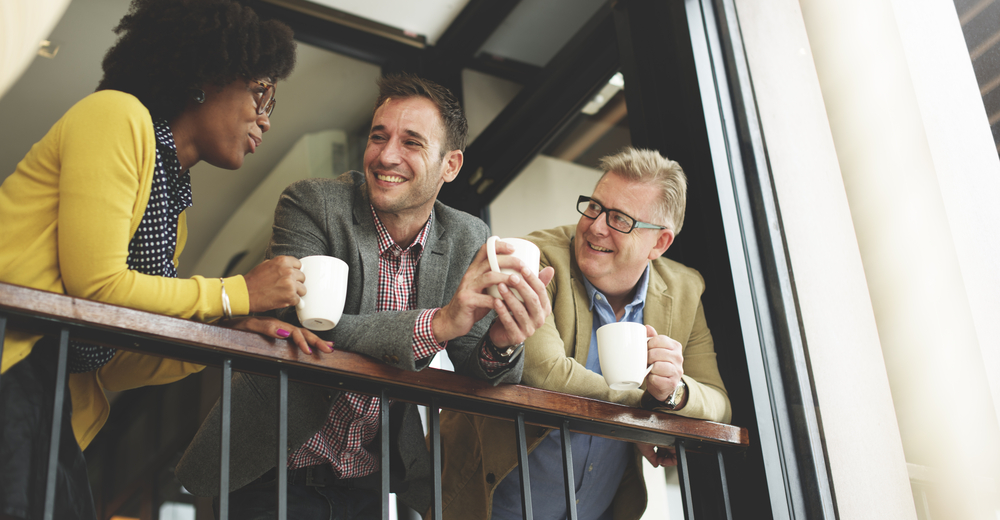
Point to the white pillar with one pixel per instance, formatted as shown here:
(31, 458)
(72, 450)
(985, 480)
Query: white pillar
(940, 390)
(867, 464)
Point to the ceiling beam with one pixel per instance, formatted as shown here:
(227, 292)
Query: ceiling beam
(456, 49)
(550, 100)
(342, 33)
(471, 28)
(504, 68)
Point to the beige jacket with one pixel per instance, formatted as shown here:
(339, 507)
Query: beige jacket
(479, 451)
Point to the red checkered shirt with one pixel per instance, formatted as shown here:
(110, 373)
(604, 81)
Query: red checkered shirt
(343, 441)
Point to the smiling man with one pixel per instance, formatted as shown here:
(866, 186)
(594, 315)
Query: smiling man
(416, 285)
(608, 269)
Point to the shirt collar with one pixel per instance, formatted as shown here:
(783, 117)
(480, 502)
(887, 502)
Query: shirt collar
(386, 245)
(638, 301)
(178, 182)
(164, 137)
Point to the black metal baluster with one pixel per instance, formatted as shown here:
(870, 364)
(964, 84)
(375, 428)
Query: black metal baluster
(522, 462)
(57, 413)
(3, 331)
(384, 439)
(725, 485)
(435, 431)
(685, 480)
(227, 409)
(281, 465)
(568, 471)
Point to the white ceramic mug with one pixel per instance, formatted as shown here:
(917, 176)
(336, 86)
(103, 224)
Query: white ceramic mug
(523, 250)
(326, 290)
(621, 348)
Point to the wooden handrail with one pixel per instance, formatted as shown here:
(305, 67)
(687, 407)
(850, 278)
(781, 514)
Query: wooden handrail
(44, 312)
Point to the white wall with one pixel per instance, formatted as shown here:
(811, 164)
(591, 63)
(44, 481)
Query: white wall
(543, 196)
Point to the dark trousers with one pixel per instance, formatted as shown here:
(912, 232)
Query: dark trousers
(313, 494)
(27, 392)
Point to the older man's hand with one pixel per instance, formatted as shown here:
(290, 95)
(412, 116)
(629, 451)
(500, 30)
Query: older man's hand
(664, 353)
(658, 455)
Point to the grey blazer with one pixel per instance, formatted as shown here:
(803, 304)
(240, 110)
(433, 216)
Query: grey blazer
(333, 217)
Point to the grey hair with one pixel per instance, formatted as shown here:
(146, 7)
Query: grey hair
(648, 166)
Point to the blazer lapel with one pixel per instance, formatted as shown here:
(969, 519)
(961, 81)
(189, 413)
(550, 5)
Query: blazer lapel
(433, 269)
(584, 318)
(366, 240)
(659, 305)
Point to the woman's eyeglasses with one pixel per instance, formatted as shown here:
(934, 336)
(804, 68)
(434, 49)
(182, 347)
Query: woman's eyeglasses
(265, 98)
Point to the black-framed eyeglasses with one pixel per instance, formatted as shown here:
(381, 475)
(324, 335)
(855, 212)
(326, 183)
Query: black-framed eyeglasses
(617, 220)
(265, 99)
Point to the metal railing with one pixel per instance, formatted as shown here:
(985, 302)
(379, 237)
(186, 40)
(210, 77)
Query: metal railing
(49, 313)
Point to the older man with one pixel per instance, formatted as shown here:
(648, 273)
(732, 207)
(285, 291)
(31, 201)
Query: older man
(416, 285)
(608, 269)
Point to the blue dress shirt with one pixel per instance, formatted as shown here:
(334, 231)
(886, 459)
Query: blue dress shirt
(598, 463)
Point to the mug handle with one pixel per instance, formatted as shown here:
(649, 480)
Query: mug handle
(302, 303)
(491, 253)
(650, 367)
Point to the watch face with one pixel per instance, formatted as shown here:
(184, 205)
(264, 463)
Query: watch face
(677, 397)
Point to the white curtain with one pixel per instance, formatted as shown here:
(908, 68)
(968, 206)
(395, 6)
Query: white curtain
(23, 24)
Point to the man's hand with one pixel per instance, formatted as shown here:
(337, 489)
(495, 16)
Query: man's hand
(471, 303)
(658, 455)
(665, 355)
(518, 320)
(275, 284)
(275, 328)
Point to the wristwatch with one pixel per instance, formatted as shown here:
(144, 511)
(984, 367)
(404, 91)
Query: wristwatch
(676, 399)
(505, 353)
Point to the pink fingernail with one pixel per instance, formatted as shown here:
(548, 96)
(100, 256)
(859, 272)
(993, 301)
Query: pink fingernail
(284, 333)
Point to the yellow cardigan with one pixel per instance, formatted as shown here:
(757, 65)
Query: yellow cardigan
(67, 215)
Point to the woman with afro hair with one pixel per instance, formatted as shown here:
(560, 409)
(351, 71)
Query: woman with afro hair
(96, 210)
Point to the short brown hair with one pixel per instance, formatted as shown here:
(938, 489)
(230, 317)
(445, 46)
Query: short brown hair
(641, 165)
(405, 85)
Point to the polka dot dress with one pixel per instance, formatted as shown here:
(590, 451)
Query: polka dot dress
(151, 250)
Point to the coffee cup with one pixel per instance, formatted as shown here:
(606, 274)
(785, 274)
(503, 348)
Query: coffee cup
(523, 250)
(621, 348)
(326, 290)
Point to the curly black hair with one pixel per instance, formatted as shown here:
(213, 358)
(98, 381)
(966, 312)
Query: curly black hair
(169, 48)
